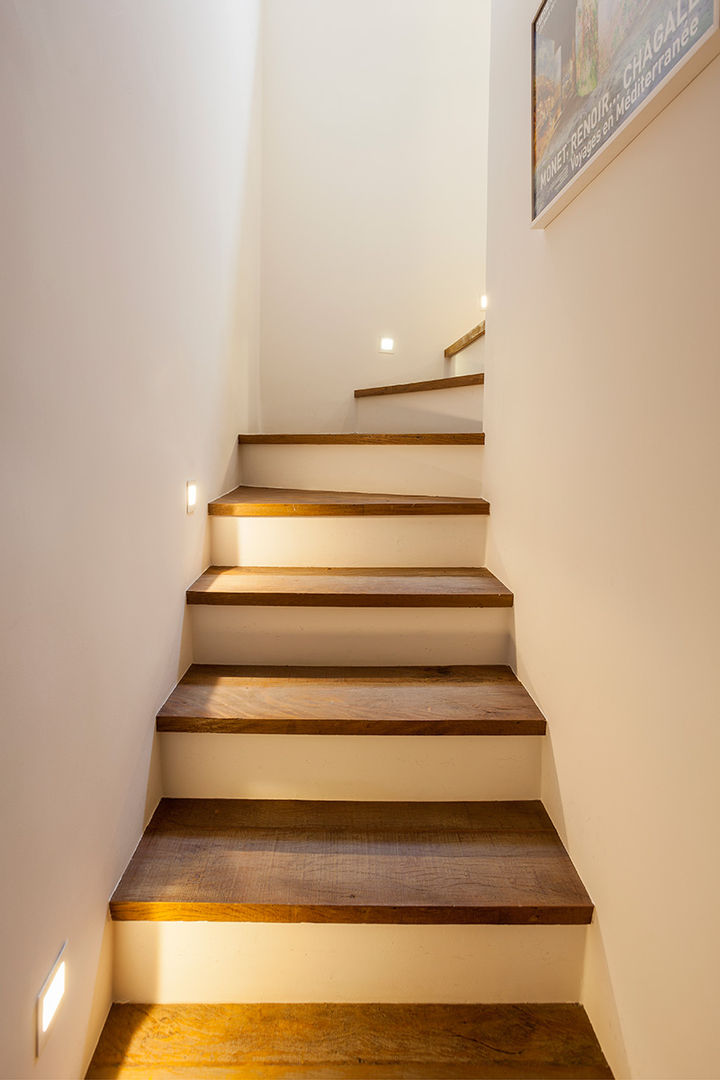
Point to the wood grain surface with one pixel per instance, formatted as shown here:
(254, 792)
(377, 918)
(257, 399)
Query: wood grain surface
(349, 587)
(247, 501)
(351, 701)
(372, 1042)
(432, 438)
(476, 379)
(351, 862)
(467, 339)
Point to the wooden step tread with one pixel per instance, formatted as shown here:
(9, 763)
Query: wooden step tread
(348, 1042)
(247, 501)
(476, 379)
(351, 701)
(351, 862)
(430, 438)
(467, 339)
(350, 587)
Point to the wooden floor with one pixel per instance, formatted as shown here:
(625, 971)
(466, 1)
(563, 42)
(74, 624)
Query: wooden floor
(415, 438)
(350, 587)
(332, 1042)
(247, 501)
(351, 701)
(477, 379)
(351, 862)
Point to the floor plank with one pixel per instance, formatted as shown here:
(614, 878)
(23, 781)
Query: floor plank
(373, 1042)
(351, 862)
(351, 701)
(349, 587)
(476, 379)
(247, 501)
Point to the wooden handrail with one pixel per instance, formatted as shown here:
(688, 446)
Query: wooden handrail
(476, 379)
(467, 339)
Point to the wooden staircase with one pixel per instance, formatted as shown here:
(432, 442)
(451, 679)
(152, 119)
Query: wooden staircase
(351, 874)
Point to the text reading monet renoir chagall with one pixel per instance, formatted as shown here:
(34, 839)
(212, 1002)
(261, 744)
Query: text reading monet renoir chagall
(596, 61)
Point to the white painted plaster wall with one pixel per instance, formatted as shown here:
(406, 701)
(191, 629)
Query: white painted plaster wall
(603, 423)
(128, 336)
(250, 962)
(373, 197)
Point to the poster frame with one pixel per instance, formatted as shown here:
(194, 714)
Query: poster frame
(697, 58)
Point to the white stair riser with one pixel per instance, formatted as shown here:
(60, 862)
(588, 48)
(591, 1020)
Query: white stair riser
(350, 636)
(169, 962)
(397, 470)
(367, 767)
(458, 408)
(349, 541)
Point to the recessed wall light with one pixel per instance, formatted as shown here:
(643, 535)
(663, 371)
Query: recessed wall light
(484, 302)
(49, 998)
(387, 344)
(190, 496)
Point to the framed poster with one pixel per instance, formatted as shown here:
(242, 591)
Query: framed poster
(601, 71)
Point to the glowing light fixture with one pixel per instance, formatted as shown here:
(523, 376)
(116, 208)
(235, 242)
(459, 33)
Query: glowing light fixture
(387, 344)
(190, 496)
(484, 302)
(49, 998)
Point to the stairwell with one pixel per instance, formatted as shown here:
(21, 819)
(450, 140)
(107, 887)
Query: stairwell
(351, 873)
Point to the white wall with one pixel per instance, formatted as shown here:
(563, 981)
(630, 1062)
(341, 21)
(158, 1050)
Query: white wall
(603, 422)
(373, 196)
(128, 335)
